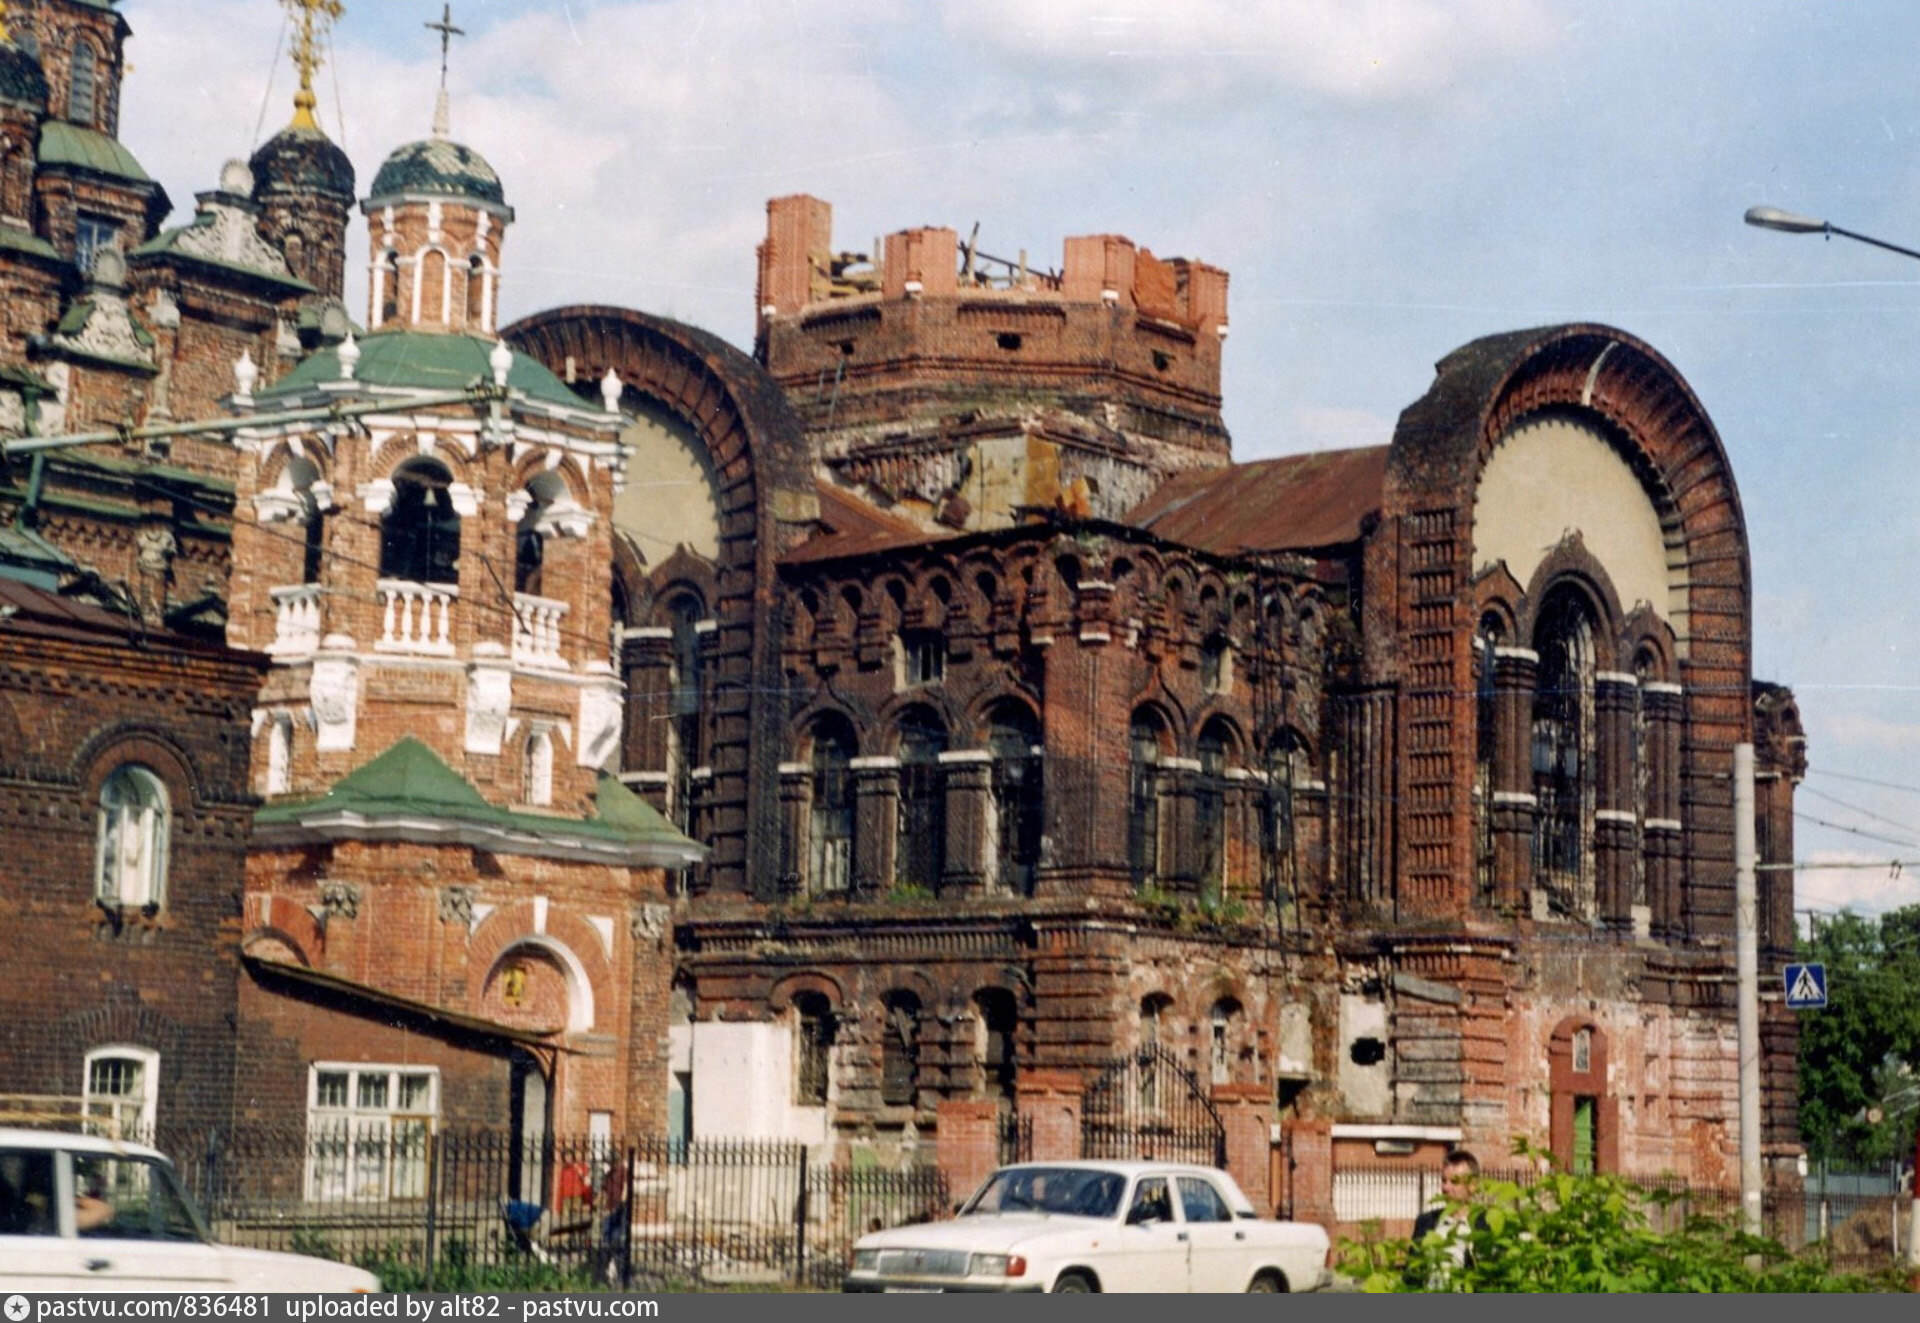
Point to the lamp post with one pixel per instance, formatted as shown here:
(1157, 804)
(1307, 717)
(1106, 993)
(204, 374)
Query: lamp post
(1772, 218)
(1787, 222)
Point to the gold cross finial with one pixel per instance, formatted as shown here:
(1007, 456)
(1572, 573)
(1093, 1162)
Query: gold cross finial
(314, 18)
(6, 34)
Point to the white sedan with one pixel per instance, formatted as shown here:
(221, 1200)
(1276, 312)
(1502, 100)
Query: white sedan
(78, 1213)
(1097, 1226)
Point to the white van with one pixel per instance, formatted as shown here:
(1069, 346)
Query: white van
(79, 1213)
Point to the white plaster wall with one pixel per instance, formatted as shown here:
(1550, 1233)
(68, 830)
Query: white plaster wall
(1366, 1090)
(1549, 478)
(743, 1082)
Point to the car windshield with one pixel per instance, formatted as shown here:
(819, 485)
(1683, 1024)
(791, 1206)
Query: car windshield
(1066, 1191)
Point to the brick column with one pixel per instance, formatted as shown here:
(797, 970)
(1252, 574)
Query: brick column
(1246, 1110)
(796, 812)
(1514, 806)
(968, 774)
(1310, 1143)
(1664, 833)
(876, 809)
(1051, 1099)
(966, 1143)
(1616, 828)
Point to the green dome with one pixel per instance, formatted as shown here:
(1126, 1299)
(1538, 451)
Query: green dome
(438, 166)
(21, 78)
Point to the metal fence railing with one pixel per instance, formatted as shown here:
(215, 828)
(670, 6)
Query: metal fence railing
(426, 1205)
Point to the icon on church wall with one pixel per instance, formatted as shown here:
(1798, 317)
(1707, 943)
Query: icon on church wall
(513, 985)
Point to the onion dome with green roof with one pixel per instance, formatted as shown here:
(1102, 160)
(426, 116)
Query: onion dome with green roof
(436, 167)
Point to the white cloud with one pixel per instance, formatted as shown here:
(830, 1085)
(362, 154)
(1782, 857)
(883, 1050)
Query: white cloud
(1851, 881)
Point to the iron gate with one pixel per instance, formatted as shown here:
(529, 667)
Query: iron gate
(1147, 1105)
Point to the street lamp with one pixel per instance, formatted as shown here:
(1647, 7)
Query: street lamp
(1772, 218)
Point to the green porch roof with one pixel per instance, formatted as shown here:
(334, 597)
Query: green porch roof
(409, 793)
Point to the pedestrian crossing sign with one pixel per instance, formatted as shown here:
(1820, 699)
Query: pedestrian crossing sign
(1806, 987)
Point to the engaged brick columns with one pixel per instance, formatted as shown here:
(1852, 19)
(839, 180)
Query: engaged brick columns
(1309, 1184)
(876, 820)
(966, 1143)
(1050, 1100)
(1662, 826)
(1514, 806)
(796, 808)
(969, 780)
(1615, 825)
(1246, 1112)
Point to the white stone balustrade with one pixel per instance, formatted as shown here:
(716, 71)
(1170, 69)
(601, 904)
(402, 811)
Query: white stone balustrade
(536, 630)
(297, 620)
(418, 617)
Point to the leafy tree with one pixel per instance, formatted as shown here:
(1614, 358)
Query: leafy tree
(1588, 1234)
(1857, 1092)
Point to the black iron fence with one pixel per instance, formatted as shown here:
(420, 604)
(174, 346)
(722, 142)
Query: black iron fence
(431, 1208)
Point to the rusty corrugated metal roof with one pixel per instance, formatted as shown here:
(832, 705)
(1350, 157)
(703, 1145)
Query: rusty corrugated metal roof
(852, 527)
(1295, 503)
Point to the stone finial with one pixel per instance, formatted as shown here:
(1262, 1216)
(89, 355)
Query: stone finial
(611, 388)
(501, 361)
(236, 178)
(349, 356)
(245, 374)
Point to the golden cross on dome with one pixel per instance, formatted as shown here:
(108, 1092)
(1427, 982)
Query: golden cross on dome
(314, 18)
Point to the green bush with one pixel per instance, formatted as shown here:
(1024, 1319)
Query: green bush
(1588, 1234)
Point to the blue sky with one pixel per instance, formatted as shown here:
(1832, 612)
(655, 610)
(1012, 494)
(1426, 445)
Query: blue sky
(1384, 180)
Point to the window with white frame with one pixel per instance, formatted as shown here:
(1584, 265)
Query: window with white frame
(537, 774)
(280, 755)
(123, 1090)
(367, 1131)
(132, 829)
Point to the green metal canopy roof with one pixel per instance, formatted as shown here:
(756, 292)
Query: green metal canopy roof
(62, 143)
(409, 793)
(426, 360)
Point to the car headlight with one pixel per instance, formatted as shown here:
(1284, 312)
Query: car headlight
(866, 1260)
(996, 1265)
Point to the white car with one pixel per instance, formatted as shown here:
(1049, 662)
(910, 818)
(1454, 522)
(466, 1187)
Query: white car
(1097, 1226)
(79, 1213)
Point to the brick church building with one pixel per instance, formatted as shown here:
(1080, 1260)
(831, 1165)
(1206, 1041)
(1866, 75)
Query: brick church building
(915, 722)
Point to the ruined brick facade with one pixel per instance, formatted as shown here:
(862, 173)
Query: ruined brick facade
(1018, 730)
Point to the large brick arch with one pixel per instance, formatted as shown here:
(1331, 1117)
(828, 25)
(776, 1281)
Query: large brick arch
(1421, 560)
(768, 502)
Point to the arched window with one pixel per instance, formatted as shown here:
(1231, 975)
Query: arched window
(1210, 805)
(684, 614)
(477, 293)
(420, 537)
(1143, 800)
(1216, 665)
(920, 846)
(1289, 770)
(1222, 1028)
(389, 287)
(1646, 671)
(83, 101)
(830, 827)
(814, 1033)
(432, 287)
(1154, 1030)
(537, 775)
(1563, 752)
(123, 1090)
(899, 1049)
(529, 558)
(999, 1019)
(1019, 810)
(134, 825)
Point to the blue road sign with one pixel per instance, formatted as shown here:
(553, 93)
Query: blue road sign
(1806, 987)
